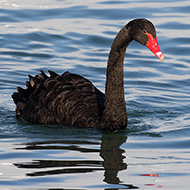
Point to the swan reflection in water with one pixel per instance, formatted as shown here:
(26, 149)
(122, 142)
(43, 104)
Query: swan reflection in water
(110, 152)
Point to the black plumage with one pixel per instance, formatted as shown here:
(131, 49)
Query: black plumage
(60, 99)
(70, 99)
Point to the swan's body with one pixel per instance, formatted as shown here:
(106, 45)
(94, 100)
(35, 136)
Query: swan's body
(70, 99)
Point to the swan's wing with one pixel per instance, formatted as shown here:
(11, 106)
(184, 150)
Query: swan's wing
(68, 99)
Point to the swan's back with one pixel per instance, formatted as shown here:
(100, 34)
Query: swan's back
(67, 99)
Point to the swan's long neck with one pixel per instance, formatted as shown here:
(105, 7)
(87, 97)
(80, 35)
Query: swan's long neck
(115, 115)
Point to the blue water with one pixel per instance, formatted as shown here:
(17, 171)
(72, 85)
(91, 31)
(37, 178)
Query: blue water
(153, 152)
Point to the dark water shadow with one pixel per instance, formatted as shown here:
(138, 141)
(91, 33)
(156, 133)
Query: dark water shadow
(110, 152)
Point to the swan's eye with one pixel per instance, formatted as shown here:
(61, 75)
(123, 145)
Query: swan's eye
(144, 31)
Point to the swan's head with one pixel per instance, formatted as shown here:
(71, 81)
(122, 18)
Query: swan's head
(144, 32)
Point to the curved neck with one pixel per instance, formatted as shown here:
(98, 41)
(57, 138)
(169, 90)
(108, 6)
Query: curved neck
(115, 115)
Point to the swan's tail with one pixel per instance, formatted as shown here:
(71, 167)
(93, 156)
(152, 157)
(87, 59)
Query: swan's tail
(21, 97)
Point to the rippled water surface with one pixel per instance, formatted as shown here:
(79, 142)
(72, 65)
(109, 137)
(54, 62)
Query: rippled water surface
(153, 152)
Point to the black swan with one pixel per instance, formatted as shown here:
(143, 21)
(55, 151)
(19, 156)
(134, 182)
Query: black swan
(70, 99)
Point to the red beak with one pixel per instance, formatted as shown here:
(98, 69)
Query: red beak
(152, 44)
